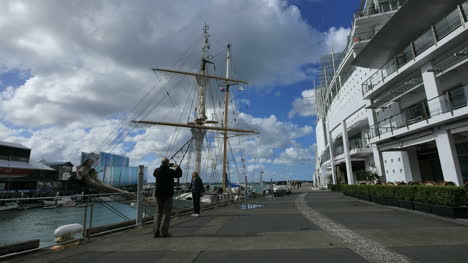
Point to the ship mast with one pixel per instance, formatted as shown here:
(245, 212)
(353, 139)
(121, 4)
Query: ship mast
(226, 105)
(199, 127)
(197, 133)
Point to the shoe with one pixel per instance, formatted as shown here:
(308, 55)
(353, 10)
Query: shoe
(156, 235)
(166, 235)
(196, 214)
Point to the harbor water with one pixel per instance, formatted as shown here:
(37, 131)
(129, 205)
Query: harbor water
(40, 223)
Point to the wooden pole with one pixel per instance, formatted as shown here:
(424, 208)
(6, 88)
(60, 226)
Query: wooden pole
(225, 139)
(194, 126)
(200, 75)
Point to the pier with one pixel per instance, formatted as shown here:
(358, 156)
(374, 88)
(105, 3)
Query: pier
(307, 226)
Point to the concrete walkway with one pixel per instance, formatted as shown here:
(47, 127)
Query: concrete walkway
(303, 227)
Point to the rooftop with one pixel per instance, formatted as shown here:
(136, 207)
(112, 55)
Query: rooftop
(13, 145)
(24, 165)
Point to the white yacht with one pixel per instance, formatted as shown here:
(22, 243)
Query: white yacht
(393, 105)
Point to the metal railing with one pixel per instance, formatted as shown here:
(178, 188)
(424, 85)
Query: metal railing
(338, 150)
(379, 9)
(325, 157)
(415, 48)
(362, 36)
(120, 213)
(358, 144)
(447, 102)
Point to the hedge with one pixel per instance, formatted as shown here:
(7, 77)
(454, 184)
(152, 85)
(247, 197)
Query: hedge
(437, 195)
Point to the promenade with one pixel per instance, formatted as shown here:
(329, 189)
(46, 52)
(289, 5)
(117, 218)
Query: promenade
(303, 227)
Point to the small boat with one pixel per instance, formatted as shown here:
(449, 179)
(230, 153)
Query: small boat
(62, 201)
(9, 206)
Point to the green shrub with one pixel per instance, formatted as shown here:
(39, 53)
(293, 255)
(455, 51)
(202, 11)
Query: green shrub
(405, 192)
(437, 195)
(334, 187)
(423, 194)
(448, 196)
(388, 191)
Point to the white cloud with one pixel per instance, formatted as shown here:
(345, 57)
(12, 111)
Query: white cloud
(337, 39)
(295, 155)
(92, 59)
(90, 62)
(304, 106)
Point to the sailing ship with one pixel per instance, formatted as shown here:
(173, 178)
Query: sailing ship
(198, 127)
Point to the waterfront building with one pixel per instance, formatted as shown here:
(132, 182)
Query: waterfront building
(394, 102)
(64, 169)
(19, 174)
(114, 170)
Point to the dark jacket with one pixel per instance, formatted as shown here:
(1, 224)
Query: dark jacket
(165, 181)
(197, 185)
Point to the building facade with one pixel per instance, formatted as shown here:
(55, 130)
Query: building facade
(114, 170)
(394, 102)
(19, 174)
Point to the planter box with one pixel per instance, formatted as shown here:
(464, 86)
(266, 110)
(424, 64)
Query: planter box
(393, 202)
(448, 211)
(406, 204)
(379, 201)
(364, 197)
(422, 207)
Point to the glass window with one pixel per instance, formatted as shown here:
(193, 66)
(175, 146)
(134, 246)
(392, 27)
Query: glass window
(447, 25)
(404, 56)
(424, 42)
(465, 10)
(457, 98)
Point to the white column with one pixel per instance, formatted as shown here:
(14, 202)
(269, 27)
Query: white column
(432, 89)
(332, 157)
(349, 167)
(414, 165)
(448, 157)
(378, 159)
(410, 162)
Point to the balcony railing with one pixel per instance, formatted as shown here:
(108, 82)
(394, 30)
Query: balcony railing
(429, 38)
(358, 144)
(325, 156)
(363, 36)
(379, 9)
(448, 102)
(338, 150)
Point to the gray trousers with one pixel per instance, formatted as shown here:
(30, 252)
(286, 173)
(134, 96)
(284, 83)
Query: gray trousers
(162, 218)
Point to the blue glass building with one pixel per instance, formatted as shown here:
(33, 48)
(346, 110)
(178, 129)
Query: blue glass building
(114, 170)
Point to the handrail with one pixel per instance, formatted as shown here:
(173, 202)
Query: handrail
(428, 109)
(414, 49)
(380, 9)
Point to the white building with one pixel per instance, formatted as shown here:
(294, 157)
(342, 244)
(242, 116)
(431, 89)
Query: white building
(395, 100)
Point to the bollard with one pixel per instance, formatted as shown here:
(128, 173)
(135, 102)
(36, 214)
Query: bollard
(91, 216)
(84, 220)
(245, 194)
(56, 198)
(139, 216)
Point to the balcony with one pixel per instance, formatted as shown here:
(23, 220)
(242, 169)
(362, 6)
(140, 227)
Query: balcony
(359, 147)
(380, 9)
(338, 150)
(415, 48)
(425, 112)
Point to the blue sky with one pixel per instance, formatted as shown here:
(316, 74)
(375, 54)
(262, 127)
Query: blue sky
(62, 84)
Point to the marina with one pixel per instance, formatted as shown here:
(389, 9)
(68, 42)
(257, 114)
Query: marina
(245, 131)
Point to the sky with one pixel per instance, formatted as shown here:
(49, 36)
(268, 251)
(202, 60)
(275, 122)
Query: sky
(73, 74)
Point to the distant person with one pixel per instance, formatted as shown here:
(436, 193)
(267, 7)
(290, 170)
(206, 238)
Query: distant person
(197, 192)
(164, 191)
(208, 187)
